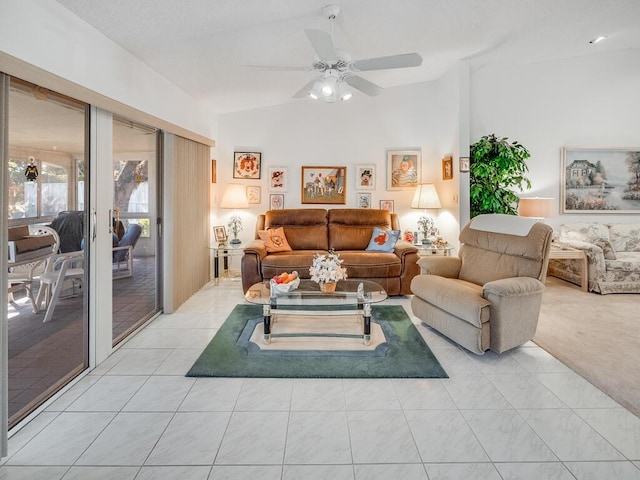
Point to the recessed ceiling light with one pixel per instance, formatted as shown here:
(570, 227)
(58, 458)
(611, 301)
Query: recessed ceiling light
(597, 39)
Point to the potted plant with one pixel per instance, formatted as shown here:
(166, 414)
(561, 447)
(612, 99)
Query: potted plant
(326, 270)
(497, 166)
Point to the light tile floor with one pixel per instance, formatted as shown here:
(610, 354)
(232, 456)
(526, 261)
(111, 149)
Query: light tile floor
(521, 415)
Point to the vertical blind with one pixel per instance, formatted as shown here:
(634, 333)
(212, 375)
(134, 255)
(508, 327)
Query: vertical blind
(191, 193)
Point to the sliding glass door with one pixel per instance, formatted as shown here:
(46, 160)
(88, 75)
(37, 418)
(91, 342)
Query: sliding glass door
(47, 224)
(136, 272)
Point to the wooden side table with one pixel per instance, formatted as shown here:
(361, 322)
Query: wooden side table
(565, 253)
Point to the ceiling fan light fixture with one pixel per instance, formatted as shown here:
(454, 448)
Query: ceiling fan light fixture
(598, 39)
(345, 91)
(329, 87)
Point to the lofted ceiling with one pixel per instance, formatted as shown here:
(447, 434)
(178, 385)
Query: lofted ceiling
(206, 47)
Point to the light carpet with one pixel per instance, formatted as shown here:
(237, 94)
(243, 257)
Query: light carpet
(597, 336)
(231, 353)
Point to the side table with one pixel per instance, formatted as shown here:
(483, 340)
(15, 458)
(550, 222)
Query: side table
(564, 253)
(223, 252)
(428, 250)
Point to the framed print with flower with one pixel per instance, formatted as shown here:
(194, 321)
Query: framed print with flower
(386, 205)
(447, 168)
(253, 194)
(600, 180)
(364, 200)
(324, 185)
(403, 169)
(365, 177)
(276, 201)
(247, 165)
(278, 179)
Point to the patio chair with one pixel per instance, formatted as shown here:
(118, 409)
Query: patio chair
(123, 251)
(60, 269)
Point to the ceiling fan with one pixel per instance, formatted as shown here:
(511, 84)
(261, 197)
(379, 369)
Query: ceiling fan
(338, 72)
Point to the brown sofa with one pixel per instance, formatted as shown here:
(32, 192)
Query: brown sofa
(345, 230)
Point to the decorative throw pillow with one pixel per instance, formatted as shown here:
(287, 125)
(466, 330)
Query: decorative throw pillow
(383, 240)
(607, 249)
(274, 240)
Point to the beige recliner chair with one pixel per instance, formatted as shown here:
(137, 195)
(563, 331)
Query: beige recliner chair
(489, 297)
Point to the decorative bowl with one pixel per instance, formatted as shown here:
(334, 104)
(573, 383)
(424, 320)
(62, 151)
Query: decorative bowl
(280, 288)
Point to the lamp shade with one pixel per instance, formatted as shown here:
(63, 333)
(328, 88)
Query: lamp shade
(536, 207)
(234, 197)
(426, 196)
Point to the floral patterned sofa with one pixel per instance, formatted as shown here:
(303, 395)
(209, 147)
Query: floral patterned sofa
(613, 251)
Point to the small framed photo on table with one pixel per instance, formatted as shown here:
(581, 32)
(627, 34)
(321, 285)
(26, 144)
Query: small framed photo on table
(220, 234)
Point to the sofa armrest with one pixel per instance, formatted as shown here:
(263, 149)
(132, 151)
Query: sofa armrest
(515, 307)
(250, 266)
(408, 255)
(442, 266)
(595, 257)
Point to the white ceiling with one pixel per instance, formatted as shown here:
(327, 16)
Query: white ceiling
(206, 46)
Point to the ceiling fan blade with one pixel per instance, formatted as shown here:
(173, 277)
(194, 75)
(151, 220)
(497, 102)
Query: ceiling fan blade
(276, 68)
(365, 86)
(322, 44)
(304, 91)
(392, 61)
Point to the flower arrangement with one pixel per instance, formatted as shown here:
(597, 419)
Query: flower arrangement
(327, 268)
(235, 226)
(425, 225)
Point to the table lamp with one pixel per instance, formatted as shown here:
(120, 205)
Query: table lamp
(426, 196)
(235, 197)
(538, 208)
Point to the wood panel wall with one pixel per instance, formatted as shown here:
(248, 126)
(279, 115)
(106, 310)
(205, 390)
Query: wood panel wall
(191, 196)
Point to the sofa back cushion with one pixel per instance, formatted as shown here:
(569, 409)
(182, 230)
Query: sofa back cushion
(304, 228)
(625, 237)
(351, 228)
(488, 256)
(584, 232)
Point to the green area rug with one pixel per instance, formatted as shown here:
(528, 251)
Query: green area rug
(404, 355)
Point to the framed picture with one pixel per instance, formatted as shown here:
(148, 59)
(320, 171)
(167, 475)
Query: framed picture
(464, 164)
(276, 201)
(365, 177)
(253, 194)
(246, 165)
(324, 185)
(221, 234)
(447, 168)
(364, 200)
(403, 169)
(600, 180)
(386, 205)
(278, 179)
(214, 171)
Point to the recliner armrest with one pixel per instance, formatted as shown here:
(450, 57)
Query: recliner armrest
(448, 267)
(513, 287)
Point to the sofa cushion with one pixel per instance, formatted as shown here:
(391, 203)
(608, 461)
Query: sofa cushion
(383, 240)
(625, 237)
(275, 240)
(362, 264)
(16, 233)
(351, 228)
(305, 228)
(625, 262)
(299, 260)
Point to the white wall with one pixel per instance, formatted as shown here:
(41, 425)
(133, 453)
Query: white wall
(423, 116)
(44, 43)
(585, 102)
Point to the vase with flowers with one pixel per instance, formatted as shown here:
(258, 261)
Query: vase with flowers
(235, 227)
(426, 226)
(326, 270)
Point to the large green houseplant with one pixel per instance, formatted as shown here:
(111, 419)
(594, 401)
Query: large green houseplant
(497, 166)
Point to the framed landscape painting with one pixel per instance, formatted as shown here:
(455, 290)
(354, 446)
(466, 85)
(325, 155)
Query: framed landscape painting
(326, 185)
(247, 165)
(600, 180)
(403, 169)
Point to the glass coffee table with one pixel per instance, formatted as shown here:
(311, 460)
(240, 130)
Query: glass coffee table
(351, 297)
